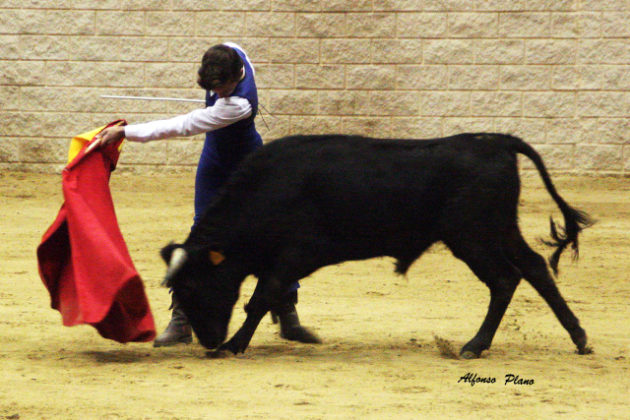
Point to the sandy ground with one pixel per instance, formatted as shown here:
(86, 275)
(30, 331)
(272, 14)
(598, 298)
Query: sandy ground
(379, 358)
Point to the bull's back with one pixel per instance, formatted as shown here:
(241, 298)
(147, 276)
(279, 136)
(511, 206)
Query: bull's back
(353, 188)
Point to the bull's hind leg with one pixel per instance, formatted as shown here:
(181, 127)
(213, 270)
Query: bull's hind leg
(501, 277)
(535, 271)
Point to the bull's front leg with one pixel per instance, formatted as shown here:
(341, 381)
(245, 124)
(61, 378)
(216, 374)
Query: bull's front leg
(240, 341)
(265, 296)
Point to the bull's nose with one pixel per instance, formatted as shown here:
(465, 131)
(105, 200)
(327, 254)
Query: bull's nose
(208, 340)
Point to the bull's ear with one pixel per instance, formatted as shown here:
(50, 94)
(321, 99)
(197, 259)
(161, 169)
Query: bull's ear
(216, 257)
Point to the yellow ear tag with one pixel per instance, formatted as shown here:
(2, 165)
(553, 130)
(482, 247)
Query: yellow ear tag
(216, 257)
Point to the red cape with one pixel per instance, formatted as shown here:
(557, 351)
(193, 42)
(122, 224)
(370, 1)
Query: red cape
(83, 259)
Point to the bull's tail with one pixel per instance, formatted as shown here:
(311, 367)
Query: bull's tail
(574, 220)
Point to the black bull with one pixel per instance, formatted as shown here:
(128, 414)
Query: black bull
(304, 202)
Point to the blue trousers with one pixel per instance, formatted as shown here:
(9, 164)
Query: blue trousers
(217, 162)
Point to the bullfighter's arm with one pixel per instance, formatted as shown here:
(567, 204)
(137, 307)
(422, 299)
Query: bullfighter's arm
(224, 112)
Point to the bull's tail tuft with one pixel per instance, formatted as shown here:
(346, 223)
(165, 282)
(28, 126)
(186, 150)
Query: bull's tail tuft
(563, 237)
(574, 220)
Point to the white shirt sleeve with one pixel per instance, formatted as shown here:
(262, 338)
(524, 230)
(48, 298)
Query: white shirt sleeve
(224, 112)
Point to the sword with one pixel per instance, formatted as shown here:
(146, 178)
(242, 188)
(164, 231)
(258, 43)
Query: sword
(153, 98)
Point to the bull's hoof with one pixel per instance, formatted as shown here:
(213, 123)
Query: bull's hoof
(238, 343)
(232, 347)
(580, 342)
(473, 349)
(585, 350)
(467, 354)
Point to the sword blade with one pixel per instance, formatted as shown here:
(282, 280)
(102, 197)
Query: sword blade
(153, 98)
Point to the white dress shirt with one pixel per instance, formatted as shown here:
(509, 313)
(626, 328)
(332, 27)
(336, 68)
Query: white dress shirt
(224, 112)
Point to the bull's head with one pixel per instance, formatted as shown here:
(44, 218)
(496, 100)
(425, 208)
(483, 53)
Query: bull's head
(206, 287)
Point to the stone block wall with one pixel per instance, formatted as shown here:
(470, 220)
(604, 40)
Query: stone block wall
(555, 72)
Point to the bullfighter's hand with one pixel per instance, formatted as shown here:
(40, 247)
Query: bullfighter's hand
(107, 136)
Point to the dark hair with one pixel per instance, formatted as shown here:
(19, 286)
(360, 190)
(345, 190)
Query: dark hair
(219, 65)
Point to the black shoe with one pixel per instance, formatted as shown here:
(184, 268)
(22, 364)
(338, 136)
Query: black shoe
(178, 330)
(290, 328)
(174, 334)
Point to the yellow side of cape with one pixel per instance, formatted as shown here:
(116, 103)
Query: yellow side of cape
(79, 141)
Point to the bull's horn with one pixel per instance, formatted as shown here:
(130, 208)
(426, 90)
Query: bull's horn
(178, 259)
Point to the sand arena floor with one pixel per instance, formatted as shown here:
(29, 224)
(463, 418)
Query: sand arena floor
(379, 358)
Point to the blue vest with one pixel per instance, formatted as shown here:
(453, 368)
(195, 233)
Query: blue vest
(242, 134)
